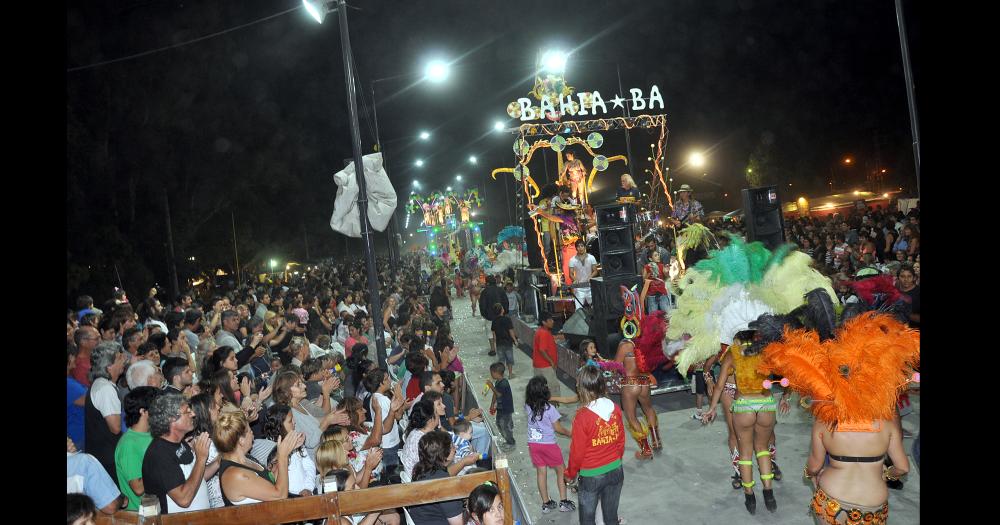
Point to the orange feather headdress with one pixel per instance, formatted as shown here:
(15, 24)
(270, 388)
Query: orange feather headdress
(853, 378)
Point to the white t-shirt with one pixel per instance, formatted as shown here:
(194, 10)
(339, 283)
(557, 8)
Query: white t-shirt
(104, 395)
(390, 438)
(301, 472)
(200, 501)
(583, 269)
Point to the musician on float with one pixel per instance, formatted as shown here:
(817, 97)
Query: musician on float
(582, 268)
(628, 191)
(686, 209)
(564, 206)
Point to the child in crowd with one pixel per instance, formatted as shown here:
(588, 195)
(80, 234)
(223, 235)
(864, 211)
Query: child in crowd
(543, 424)
(80, 509)
(503, 403)
(461, 436)
(613, 370)
(513, 300)
(698, 387)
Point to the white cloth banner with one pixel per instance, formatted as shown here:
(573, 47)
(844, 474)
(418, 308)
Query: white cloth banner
(381, 197)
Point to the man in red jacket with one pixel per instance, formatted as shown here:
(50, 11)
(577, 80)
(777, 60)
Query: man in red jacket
(596, 449)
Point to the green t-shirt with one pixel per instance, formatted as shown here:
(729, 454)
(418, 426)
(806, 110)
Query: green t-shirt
(128, 461)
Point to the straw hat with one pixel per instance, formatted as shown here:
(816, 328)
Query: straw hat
(685, 187)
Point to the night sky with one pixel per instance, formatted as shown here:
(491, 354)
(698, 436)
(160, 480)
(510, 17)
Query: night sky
(251, 125)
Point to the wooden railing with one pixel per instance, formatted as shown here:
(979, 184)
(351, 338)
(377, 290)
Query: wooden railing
(336, 504)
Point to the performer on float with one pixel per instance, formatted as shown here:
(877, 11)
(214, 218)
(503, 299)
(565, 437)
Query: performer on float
(564, 208)
(574, 176)
(686, 210)
(654, 291)
(583, 268)
(628, 190)
(546, 224)
(853, 374)
(640, 358)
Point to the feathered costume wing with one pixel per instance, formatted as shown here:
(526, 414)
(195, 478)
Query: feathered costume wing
(785, 285)
(737, 316)
(649, 345)
(694, 317)
(853, 378)
(777, 280)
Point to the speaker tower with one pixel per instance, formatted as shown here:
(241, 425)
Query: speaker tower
(762, 216)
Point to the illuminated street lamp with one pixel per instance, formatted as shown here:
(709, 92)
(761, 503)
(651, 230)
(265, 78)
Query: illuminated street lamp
(554, 61)
(696, 159)
(437, 71)
(848, 160)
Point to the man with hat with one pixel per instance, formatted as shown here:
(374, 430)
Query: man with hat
(686, 209)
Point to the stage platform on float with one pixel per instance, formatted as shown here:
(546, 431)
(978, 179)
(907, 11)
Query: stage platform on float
(688, 482)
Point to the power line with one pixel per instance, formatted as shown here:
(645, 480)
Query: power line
(199, 39)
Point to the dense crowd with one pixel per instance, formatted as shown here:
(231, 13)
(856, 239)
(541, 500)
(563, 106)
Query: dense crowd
(272, 390)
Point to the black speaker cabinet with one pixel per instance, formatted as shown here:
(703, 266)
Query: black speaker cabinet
(618, 264)
(762, 216)
(617, 250)
(614, 214)
(607, 295)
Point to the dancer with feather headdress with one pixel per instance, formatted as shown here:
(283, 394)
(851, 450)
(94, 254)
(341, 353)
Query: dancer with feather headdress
(639, 357)
(853, 373)
(721, 296)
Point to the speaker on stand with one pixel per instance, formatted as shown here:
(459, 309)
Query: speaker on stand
(762, 216)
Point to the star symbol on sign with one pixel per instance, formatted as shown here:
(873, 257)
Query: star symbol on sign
(617, 101)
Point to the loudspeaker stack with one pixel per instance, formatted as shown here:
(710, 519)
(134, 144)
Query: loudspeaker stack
(762, 216)
(616, 237)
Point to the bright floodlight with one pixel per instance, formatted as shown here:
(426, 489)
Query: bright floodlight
(317, 8)
(696, 159)
(424, 135)
(437, 71)
(498, 125)
(458, 177)
(416, 184)
(449, 188)
(418, 163)
(554, 61)
(472, 159)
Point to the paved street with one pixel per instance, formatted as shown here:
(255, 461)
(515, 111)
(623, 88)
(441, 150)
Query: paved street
(688, 482)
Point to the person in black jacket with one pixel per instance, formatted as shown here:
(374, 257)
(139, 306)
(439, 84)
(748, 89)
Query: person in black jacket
(491, 295)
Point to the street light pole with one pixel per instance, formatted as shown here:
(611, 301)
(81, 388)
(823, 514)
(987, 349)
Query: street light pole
(366, 234)
(908, 75)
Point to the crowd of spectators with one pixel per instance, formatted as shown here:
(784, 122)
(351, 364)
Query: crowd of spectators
(268, 390)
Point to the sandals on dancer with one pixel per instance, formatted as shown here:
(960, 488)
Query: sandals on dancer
(644, 452)
(654, 434)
